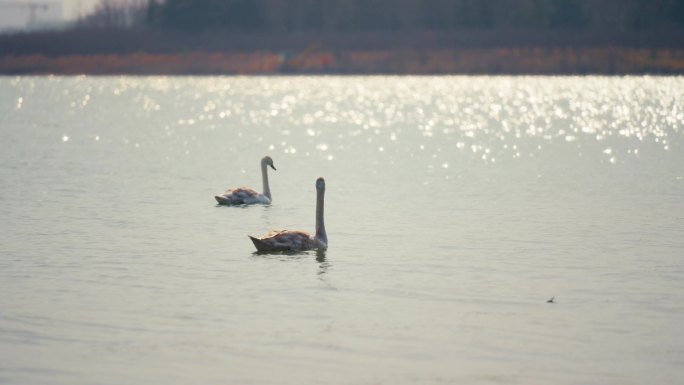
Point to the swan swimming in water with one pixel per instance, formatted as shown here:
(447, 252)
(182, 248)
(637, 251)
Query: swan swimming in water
(294, 240)
(247, 196)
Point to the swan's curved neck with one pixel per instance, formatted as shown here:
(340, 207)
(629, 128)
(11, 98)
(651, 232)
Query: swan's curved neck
(264, 180)
(320, 226)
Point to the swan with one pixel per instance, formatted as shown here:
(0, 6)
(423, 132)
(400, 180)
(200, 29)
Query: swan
(295, 240)
(247, 196)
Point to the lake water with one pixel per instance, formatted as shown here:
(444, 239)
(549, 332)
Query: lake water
(455, 208)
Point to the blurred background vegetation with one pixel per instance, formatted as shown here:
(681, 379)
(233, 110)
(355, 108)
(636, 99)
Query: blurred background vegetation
(277, 16)
(422, 32)
(391, 15)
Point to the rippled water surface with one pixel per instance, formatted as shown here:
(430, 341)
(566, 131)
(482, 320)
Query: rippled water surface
(455, 208)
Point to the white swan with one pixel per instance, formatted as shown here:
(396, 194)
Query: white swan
(294, 240)
(247, 196)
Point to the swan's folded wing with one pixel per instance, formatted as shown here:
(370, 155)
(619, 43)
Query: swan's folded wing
(241, 192)
(284, 240)
(237, 196)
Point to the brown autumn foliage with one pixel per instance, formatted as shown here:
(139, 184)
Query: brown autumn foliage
(525, 60)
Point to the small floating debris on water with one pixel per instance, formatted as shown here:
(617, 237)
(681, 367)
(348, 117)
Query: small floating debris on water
(551, 300)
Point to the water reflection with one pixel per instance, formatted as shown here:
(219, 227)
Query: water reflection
(292, 256)
(319, 254)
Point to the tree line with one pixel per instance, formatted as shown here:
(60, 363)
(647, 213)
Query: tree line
(177, 26)
(334, 16)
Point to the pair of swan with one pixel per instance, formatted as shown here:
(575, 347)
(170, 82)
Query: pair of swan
(280, 240)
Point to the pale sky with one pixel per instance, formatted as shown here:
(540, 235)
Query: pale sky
(16, 15)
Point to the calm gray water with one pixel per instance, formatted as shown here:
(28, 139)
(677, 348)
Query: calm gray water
(455, 208)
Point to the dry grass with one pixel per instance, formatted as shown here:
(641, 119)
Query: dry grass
(436, 61)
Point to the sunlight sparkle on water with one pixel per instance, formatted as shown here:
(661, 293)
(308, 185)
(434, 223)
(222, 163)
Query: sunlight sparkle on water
(501, 118)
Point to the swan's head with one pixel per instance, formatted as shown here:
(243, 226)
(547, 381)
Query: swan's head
(320, 184)
(268, 161)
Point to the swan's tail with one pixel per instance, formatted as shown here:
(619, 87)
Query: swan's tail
(261, 245)
(222, 200)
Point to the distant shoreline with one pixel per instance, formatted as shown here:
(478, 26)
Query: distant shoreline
(500, 51)
(504, 61)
